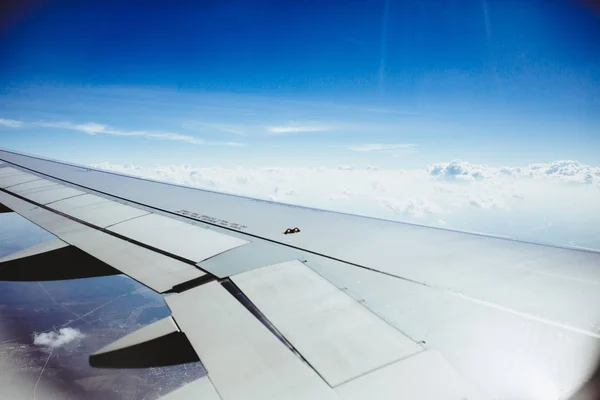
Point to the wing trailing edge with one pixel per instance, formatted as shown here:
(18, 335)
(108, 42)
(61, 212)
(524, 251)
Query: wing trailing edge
(159, 344)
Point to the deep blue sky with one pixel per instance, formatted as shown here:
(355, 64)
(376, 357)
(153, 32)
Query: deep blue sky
(489, 81)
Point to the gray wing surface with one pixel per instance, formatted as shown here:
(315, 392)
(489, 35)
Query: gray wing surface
(343, 307)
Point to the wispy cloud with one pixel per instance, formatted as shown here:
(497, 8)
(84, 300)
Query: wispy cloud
(298, 128)
(11, 123)
(92, 128)
(382, 147)
(395, 149)
(233, 129)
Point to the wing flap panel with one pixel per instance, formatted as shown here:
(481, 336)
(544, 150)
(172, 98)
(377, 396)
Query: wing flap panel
(183, 239)
(50, 261)
(158, 344)
(339, 337)
(15, 177)
(243, 359)
(254, 255)
(155, 270)
(7, 171)
(32, 186)
(49, 245)
(51, 194)
(96, 210)
(152, 269)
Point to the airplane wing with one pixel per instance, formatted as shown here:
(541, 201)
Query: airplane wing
(286, 302)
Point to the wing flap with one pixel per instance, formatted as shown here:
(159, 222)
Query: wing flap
(52, 193)
(243, 359)
(339, 337)
(47, 246)
(176, 237)
(257, 254)
(12, 176)
(50, 261)
(152, 269)
(97, 210)
(158, 344)
(25, 188)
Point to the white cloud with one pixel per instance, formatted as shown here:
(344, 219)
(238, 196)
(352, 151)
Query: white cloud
(394, 149)
(458, 169)
(382, 147)
(486, 201)
(507, 201)
(562, 170)
(92, 128)
(233, 129)
(412, 207)
(57, 339)
(11, 123)
(300, 128)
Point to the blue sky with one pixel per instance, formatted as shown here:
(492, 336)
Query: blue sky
(393, 83)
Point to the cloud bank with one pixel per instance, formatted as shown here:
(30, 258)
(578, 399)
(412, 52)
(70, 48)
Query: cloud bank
(563, 170)
(553, 203)
(57, 339)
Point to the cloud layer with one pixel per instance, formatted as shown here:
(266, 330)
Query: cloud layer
(561, 197)
(57, 339)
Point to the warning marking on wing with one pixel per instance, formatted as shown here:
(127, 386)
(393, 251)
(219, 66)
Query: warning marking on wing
(212, 220)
